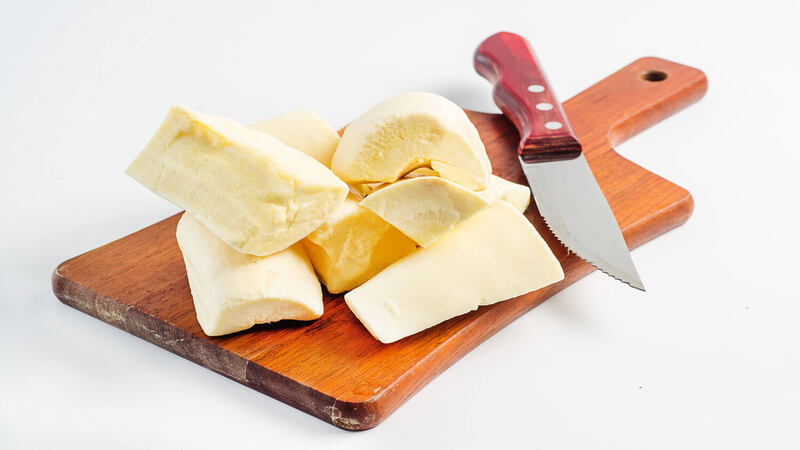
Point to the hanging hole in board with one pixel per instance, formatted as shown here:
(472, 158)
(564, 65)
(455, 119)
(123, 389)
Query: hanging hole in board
(654, 76)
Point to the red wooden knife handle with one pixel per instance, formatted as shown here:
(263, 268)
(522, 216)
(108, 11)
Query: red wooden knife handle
(523, 94)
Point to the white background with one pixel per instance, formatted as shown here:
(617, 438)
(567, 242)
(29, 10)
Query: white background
(707, 358)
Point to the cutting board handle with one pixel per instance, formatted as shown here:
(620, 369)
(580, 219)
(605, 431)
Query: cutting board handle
(633, 99)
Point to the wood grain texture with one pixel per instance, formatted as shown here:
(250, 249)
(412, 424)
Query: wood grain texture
(332, 368)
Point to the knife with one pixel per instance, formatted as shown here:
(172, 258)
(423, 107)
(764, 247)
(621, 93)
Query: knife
(563, 186)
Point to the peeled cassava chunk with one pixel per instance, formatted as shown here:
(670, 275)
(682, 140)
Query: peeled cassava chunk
(409, 131)
(233, 291)
(303, 130)
(498, 188)
(424, 208)
(254, 192)
(494, 255)
(501, 189)
(353, 245)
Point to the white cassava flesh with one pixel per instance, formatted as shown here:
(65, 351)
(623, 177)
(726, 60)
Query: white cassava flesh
(353, 245)
(303, 130)
(518, 195)
(233, 291)
(424, 208)
(409, 131)
(254, 192)
(493, 256)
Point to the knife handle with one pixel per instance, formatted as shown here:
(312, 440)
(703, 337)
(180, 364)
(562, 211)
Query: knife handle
(523, 93)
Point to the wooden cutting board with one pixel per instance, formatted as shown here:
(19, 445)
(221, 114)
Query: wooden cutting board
(332, 368)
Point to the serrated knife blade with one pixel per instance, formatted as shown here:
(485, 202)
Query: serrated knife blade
(576, 211)
(563, 185)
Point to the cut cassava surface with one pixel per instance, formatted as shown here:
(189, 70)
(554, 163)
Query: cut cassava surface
(518, 195)
(254, 192)
(353, 245)
(494, 255)
(233, 291)
(424, 208)
(409, 131)
(303, 130)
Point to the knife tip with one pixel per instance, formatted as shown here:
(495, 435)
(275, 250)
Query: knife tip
(638, 285)
(634, 282)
